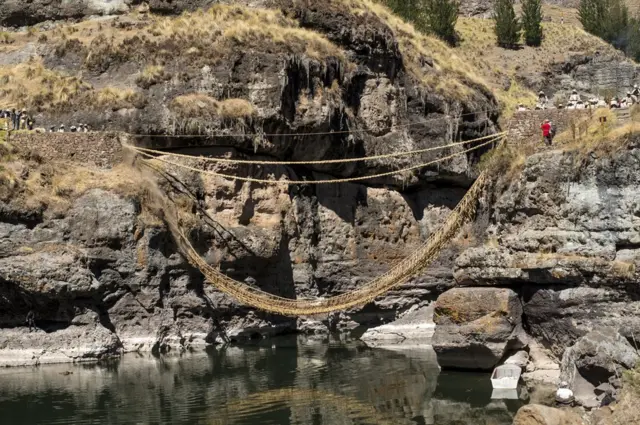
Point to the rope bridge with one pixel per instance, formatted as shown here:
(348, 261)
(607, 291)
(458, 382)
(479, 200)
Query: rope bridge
(398, 274)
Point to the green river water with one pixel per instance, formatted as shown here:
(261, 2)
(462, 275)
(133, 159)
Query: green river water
(282, 381)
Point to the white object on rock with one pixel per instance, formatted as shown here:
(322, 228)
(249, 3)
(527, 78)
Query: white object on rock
(564, 395)
(506, 376)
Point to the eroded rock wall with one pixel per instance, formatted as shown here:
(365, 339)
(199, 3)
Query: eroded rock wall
(566, 236)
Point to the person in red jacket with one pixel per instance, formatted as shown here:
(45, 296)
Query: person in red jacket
(546, 132)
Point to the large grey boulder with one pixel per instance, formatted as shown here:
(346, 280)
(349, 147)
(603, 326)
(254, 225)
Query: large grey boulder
(594, 365)
(476, 327)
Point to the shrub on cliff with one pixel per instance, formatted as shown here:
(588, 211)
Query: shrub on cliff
(442, 16)
(532, 22)
(437, 17)
(507, 25)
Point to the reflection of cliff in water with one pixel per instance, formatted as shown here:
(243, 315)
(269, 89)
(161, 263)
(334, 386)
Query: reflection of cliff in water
(469, 403)
(274, 382)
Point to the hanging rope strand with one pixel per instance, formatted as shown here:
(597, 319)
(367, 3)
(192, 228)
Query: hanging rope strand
(320, 162)
(398, 274)
(327, 181)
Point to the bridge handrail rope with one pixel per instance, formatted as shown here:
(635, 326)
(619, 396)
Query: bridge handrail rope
(399, 273)
(302, 182)
(319, 162)
(321, 133)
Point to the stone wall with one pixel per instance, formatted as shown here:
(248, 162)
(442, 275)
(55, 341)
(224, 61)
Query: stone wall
(525, 126)
(101, 149)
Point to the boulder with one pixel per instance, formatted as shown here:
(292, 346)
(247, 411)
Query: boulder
(415, 327)
(596, 362)
(536, 414)
(476, 327)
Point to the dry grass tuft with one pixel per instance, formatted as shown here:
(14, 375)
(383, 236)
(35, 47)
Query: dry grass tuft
(30, 85)
(195, 105)
(115, 98)
(152, 74)
(589, 136)
(235, 108)
(623, 269)
(55, 186)
(201, 106)
(507, 160)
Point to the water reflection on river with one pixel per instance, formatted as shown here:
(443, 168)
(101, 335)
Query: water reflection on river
(281, 382)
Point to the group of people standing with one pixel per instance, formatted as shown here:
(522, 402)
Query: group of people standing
(80, 128)
(17, 120)
(21, 120)
(575, 101)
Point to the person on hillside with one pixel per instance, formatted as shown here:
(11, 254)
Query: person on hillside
(575, 97)
(30, 123)
(614, 103)
(580, 105)
(52, 129)
(31, 321)
(12, 118)
(543, 101)
(61, 129)
(636, 90)
(630, 101)
(546, 132)
(552, 130)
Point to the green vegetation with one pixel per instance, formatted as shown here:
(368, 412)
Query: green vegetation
(411, 11)
(507, 25)
(437, 17)
(532, 22)
(442, 16)
(612, 21)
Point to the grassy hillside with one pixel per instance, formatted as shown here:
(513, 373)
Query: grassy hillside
(499, 66)
(77, 72)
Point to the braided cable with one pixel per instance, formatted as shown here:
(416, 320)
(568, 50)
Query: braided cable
(320, 162)
(326, 181)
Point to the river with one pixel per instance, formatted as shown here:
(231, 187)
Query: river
(283, 381)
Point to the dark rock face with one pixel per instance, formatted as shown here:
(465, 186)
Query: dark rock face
(594, 365)
(476, 327)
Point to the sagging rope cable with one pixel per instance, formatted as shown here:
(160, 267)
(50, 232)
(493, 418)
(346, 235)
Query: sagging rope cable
(320, 162)
(315, 182)
(321, 133)
(399, 273)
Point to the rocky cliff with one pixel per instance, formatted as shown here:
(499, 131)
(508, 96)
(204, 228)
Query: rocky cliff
(103, 275)
(556, 273)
